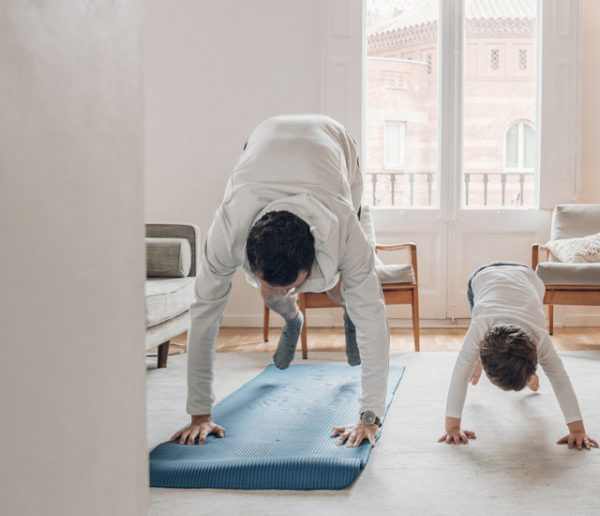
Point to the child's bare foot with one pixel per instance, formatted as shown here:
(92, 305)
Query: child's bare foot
(534, 382)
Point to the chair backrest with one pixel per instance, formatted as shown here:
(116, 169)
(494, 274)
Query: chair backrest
(575, 220)
(189, 231)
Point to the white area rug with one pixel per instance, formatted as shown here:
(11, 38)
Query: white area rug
(514, 467)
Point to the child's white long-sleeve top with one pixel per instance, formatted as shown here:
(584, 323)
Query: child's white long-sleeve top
(510, 295)
(307, 165)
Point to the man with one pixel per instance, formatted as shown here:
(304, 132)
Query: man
(289, 218)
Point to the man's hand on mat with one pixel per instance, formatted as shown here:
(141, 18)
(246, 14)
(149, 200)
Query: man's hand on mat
(577, 438)
(354, 435)
(200, 428)
(453, 433)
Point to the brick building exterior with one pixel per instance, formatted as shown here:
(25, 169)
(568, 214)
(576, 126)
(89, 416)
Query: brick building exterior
(402, 93)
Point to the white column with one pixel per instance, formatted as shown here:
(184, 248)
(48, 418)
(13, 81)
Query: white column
(72, 386)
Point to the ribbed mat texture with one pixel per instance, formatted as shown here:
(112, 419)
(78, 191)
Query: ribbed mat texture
(278, 434)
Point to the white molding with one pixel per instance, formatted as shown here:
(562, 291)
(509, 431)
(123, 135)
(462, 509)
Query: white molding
(343, 47)
(571, 320)
(256, 321)
(576, 320)
(560, 103)
(335, 321)
(429, 323)
(450, 163)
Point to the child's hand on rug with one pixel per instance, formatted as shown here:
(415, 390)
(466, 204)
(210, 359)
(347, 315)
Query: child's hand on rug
(453, 433)
(577, 438)
(201, 427)
(354, 435)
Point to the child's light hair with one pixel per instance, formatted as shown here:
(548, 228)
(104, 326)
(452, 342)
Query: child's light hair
(508, 356)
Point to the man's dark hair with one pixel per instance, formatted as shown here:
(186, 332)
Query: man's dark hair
(508, 356)
(279, 246)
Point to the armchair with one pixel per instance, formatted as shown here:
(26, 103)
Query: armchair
(399, 283)
(569, 283)
(172, 259)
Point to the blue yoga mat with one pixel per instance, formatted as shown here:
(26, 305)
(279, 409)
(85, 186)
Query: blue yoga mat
(278, 434)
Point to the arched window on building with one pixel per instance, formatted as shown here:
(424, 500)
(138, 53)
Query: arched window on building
(520, 147)
(394, 145)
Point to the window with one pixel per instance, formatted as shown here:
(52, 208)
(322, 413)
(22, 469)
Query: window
(401, 100)
(520, 147)
(394, 80)
(499, 166)
(522, 59)
(498, 88)
(494, 58)
(394, 143)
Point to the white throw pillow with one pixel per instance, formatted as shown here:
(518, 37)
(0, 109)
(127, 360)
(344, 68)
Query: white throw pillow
(576, 250)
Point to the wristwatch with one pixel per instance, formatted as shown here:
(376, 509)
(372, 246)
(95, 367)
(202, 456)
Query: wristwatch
(368, 417)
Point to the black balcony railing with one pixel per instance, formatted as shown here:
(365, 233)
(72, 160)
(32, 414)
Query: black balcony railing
(402, 188)
(503, 189)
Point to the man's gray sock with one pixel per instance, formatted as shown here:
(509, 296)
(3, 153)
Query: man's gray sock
(286, 348)
(352, 352)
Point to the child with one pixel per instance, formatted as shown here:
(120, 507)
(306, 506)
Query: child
(507, 338)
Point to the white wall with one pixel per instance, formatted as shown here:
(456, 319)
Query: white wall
(214, 70)
(71, 301)
(590, 141)
(590, 138)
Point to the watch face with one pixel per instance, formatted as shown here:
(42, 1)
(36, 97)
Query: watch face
(368, 417)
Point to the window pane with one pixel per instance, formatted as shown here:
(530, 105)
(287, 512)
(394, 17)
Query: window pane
(499, 149)
(529, 147)
(393, 141)
(512, 147)
(401, 103)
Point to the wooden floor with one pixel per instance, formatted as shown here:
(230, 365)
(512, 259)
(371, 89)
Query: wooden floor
(332, 339)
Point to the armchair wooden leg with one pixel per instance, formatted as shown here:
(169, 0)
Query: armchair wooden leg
(551, 319)
(415, 320)
(163, 355)
(266, 324)
(303, 334)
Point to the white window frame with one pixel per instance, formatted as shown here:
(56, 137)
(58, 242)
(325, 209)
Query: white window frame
(456, 9)
(558, 97)
(558, 123)
(559, 109)
(394, 165)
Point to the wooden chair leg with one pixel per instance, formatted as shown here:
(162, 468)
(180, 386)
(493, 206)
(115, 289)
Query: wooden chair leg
(551, 319)
(163, 355)
(266, 324)
(415, 319)
(303, 334)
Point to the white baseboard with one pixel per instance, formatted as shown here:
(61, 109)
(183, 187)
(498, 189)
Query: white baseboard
(329, 321)
(256, 321)
(335, 321)
(576, 320)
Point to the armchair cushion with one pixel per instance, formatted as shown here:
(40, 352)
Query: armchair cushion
(575, 220)
(190, 232)
(387, 273)
(168, 257)
(395, 273)
(576, 250)
(167, 298)
(556, 273)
